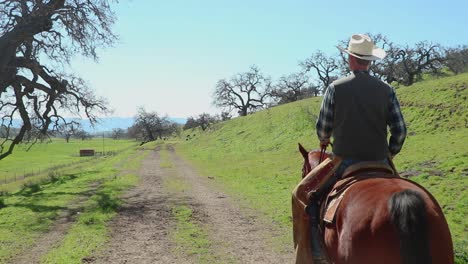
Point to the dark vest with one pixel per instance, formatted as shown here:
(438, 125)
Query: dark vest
(360, 122)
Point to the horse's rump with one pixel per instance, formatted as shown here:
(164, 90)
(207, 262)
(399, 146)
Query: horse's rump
(369, 222)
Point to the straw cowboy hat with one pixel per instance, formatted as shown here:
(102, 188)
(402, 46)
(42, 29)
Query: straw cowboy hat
(362, 47)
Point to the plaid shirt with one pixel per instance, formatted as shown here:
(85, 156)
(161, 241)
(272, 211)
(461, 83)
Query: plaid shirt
(394, 120)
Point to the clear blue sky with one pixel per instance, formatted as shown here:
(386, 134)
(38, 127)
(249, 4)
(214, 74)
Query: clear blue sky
(171, 53)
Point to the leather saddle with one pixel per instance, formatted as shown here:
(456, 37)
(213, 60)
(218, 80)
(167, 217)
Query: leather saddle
(354, 173)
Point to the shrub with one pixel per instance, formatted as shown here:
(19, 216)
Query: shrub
(2, 203)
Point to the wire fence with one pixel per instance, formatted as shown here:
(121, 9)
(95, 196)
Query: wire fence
(26, 173)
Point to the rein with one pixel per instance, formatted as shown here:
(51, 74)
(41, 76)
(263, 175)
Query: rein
(322, 152)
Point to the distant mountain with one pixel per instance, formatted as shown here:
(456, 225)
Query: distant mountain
(108, 123)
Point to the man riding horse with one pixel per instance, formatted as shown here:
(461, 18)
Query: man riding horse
(356, 111)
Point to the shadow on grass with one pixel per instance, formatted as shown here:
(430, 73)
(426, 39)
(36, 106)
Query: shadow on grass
(56, 195)
(34, 187)
(35, 201)
(39, 208)
(107, 203)
(140, 207)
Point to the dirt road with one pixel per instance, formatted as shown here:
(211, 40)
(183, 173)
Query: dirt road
(141, 233)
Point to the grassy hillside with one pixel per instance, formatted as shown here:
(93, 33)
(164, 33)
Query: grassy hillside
(256, 158)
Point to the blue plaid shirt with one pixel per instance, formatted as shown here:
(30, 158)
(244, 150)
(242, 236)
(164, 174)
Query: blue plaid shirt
(394, 120)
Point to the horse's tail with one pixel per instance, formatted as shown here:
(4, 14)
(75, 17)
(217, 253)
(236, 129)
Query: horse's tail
(408, 214)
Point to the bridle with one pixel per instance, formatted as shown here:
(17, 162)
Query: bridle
(323, 152)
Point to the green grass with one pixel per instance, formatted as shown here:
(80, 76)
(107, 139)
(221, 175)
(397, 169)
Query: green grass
(30, 212)
(256, 158)
(55, 155)
(90, 231)
(164, 159)
(190, 237)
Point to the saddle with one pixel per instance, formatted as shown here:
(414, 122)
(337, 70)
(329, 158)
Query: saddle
(354, 173)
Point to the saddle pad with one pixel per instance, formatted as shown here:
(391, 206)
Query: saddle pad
(332, 206)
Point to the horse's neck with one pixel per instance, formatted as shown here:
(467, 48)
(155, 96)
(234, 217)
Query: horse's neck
(314, 158)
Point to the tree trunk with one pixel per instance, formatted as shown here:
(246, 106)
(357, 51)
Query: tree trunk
(411, 78)
(243, 111)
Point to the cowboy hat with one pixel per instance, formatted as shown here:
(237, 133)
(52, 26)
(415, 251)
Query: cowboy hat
(362, 47)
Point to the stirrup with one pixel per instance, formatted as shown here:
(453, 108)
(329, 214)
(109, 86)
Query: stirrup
(320, 260)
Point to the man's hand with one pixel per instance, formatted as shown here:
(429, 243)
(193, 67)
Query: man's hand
(324, 143)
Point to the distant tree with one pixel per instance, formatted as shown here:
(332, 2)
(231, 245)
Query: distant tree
(118, 133)
(403, 64)
(225, 116)
(4, 131)
(69, 129)
(293, 87)
(82, 134)
(424, 57)
(387, 68)
(135, 132)
(456, 59)
(34, 135)
(153, 126)
(245, 92)
(173, 129)
(324, 68)
(37, 38)
(190, 123)
(204, 120)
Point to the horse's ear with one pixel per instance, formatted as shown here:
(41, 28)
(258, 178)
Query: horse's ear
(303, 151)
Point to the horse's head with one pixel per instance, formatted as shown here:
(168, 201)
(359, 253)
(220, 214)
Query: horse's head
(311, 159)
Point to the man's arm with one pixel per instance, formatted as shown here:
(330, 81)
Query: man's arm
(397, 125)
(324, 124)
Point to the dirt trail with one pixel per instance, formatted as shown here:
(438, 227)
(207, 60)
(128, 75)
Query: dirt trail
(141, 230)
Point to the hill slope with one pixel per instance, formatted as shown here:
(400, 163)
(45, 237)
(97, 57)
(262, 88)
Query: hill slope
(256, 158)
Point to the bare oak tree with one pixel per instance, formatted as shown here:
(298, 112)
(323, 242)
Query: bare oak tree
(69, 129)
(245, 92)
(153, 126)
(293, 87)
(37, 40)
(205, 120)
(414, 61)
(456, 59)
(323, 67)
(387, 68)
(118, 133)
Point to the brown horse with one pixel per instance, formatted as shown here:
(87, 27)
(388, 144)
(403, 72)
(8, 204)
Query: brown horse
(381, 220)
